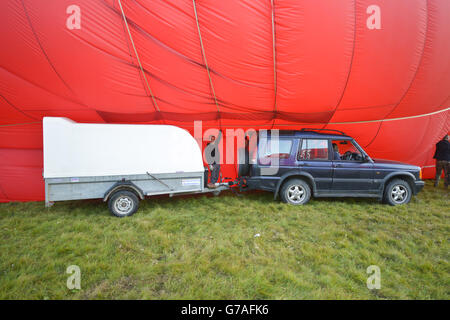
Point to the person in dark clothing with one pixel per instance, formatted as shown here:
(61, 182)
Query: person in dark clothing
(336, 154)
(442, 156)
(213, 157)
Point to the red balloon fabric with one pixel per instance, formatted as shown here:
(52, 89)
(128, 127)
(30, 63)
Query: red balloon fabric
(377, 69)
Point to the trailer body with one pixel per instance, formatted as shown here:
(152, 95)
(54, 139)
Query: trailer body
(90, 161)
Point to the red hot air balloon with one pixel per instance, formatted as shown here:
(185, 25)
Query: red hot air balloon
(377, 69)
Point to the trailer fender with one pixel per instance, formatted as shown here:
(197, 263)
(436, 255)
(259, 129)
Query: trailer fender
(124, 185)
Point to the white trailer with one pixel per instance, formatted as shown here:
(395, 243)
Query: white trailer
(119, 163)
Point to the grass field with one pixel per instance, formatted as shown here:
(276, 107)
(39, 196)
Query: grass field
(205, 248)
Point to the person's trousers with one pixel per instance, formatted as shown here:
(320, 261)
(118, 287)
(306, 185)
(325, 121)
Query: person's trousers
(215, 173)
(442, 165)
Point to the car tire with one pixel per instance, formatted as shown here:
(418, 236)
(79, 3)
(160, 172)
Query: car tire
(397, 192)
(295, 192)
(123, 203)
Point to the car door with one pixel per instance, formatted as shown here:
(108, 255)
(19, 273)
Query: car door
(352, 174)
(275, 158)
(313, 157)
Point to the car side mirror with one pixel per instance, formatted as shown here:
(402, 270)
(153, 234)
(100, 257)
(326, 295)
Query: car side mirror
(366, 158)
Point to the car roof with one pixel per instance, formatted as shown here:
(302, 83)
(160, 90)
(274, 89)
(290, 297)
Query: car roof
(310, 134)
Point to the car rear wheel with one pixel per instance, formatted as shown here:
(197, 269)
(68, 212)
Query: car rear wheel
(295, 192)
(123, 203)
(397, 192)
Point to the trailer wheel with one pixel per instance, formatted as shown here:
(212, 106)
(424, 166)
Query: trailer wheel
(123, 203)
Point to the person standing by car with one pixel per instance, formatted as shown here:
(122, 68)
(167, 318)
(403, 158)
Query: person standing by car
(212, 156)
(442, 156)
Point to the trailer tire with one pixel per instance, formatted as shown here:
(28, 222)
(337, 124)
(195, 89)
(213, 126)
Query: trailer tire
(123, 203)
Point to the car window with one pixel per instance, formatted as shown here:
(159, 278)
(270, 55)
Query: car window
(269, 150)
(345, 150)
(313, 149)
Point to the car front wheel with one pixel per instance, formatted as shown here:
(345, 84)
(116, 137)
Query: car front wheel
(397, 192)
(296, 192)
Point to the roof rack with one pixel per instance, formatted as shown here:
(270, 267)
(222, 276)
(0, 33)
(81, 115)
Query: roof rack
(312, 129)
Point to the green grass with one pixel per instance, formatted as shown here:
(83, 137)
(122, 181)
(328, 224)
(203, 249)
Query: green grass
(205, 248)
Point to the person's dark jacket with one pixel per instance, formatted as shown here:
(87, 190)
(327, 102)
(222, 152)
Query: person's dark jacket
(214, 145)
(442, 150)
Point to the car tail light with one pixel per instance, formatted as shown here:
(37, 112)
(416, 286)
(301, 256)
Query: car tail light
(420, 174)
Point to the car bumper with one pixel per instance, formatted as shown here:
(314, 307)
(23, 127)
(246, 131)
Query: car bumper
(418, 186)
(265, 184)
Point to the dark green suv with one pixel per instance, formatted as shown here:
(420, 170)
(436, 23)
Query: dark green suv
(325, 163)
